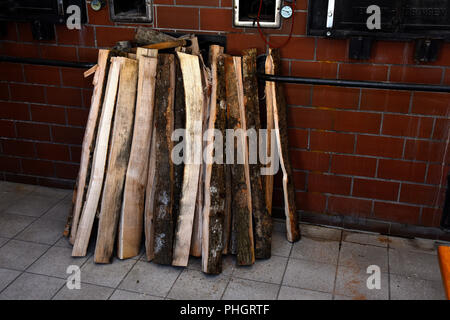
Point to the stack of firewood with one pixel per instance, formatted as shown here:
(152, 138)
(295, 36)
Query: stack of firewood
(129, 183)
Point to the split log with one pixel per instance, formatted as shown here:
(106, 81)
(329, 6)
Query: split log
(179, 123)
(214, 206)
(91, 71)
(98, 162)
(192, 76)
(242, 203)
(118, 161)
(145, 36)
(149, 227)
(88, 141)
(269, 179)
(227, 219)
(197, 227)
(261, 216)
(280, 120)
(132, 216)
(196, 241)
(164, 169)
(167, 45)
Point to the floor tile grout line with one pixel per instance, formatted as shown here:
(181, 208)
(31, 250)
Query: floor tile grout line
(228, 282)
(126, 274)
(26, 194)
(131, 291)
(17, 277)
(57, 291)
(307, 289)
(285, 269)
(389, 272)
(173, 284)
(49, 246)
(35, 220)
(23, 229)
(333, 295)
(31, 223)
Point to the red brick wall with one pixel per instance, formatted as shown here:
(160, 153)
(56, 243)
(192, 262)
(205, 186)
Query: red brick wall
(359, 152)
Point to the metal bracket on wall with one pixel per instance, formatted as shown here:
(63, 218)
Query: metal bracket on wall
(427, 50)
(360, 48)
(330, 15)
(245, 14)
(42, 30)
(3, 29)
(445, 222)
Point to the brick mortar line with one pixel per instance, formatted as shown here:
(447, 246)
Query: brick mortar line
(350, 197)
(50, 124)
(442, 67)
(39, 177)
(363, 156)
(34, 84)
(410, 114)
(40, 141)
(46, 160)
(370, 134)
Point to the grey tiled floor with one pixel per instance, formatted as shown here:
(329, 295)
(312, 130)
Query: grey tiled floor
(326, 264)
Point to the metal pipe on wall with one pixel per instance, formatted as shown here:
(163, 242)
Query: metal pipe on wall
(262, 76)
(44, 62)
(355, 84)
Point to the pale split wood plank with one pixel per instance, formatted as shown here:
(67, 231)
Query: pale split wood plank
(118, 162)
(91, 71)
(192, 77)
(132, 215)
(99, 82)
(268, 179)
(196, 241)
(98, 163)
(280, 122)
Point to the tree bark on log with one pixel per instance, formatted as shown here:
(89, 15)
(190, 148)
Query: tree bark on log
(242, 208)
(261, 216)
(149, 227)
(164, 178)
(118, 162)
(192, 78)
(280, 120)
(98, 163)
(145, 36)
(132, 216)
(227, 219)
(179, 123)
(88, 141)
(214, 208)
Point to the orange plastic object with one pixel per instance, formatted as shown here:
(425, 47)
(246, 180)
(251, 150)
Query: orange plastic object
(444, 261)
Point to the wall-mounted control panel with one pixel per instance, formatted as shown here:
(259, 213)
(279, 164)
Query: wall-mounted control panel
(398, 19)
(246, 13)
(131, 11)
(50, 11)
(43, 14)
(425, 21)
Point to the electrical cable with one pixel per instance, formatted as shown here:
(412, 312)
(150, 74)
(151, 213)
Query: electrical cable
(293, 6)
